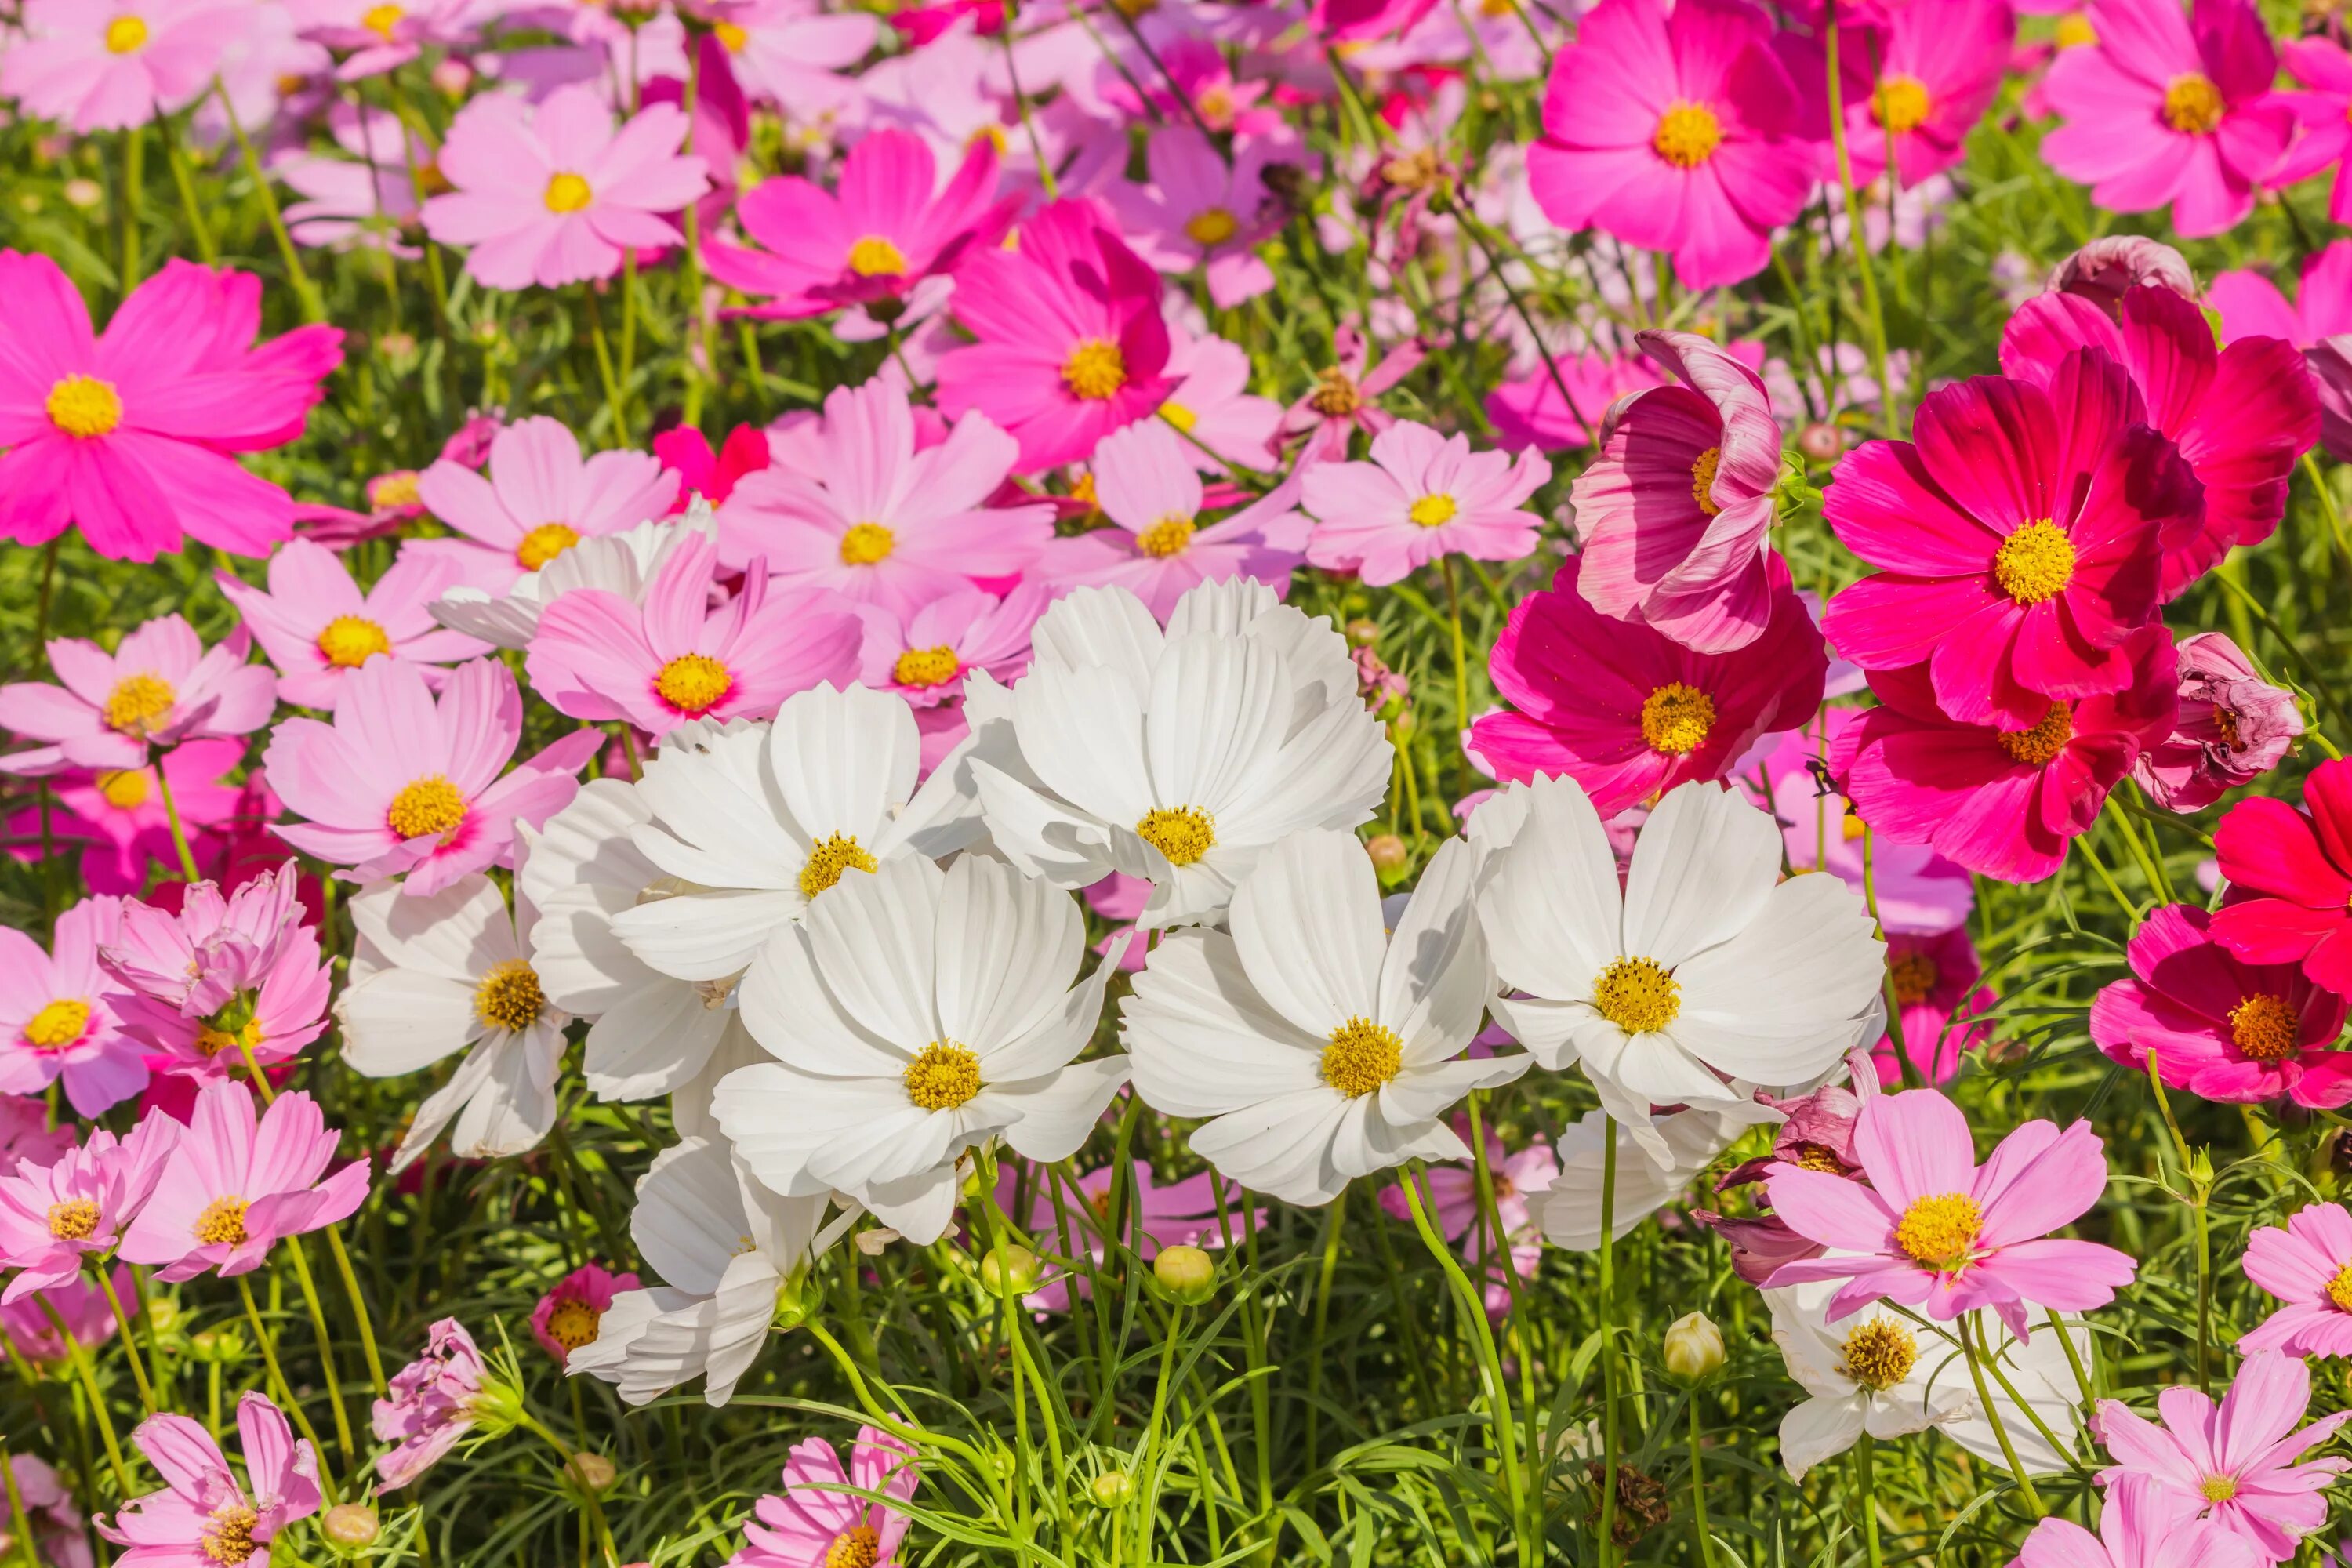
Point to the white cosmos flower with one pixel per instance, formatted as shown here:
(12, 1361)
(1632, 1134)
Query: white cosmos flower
(1325, 1047)
(1706, 968)
(1175, 756)
(915, 1014)
(1889, 1376)
(447, 973)
(623, 563)
(1569, 1212)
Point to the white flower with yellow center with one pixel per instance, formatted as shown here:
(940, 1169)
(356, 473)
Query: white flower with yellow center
(625, 563)
(1705, 977)
(1324, 1046)
(445, 971)
(1570, 1210)
(915, 1013)
(1174, 756)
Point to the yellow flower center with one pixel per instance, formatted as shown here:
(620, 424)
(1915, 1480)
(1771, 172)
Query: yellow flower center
(2074, 31)
(1914, 975)
(382, 19)
(694, 682)
(125, 33)
(1676, 718)
(1169, 536)
(1901, 103)
(731, 37)
(2192, 104)
(212, 1042)
(857, 1547)
(83, 406)
(1937, 1232)
(1432, 510)
(426, 805)
(1851, 827)
(2219, 1489)
(2037, 746)
(1179, 415)
(2035, 562)
(222, 1224)
(76, 1219)
(1879, 1354)
(509, 996)
(567, 193)
(1362, 1056)
(227, 1535)
(2264, 1027)
(573, 1324)
(865, 543)
(1702, 480)
(1095, 369)
(350, 641)
(992, 134)
(545, 544)
(393, 490)
(1819, 1157)
(874, 257)
(927, 666)
(58, 1024)
(1637, 995)
(1210, 226)
(828, 859)
(2339, 1289)
(1183, 833)
(125, 789)
(943, 1076)
(136, 702)
(1687, 135)
(2226, 722)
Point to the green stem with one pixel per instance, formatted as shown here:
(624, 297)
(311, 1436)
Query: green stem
(190, 209)
(1608, 1308)
(304, 294)
(1698, 1497)
(130, 1347)
(1333, 1229)
(171, 815)
(1866, 1462)
(613, 402)
(16, 1516)
(269, 1347)
(80, 1357)
(1992, 1414)
(326, 1348)
(135, 177)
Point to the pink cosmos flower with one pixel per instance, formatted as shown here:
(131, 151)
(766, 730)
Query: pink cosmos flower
(432, 1404)
(2289, 876)
(233, 1187)
(402, 782)
(379, 41)
(111, 64)
(58, 1534)
(2234, 727)
(925, 657)
(1817, 1135)
(318, 627)
(2170, 107)
(58, 1014)
(568, 1316)
(131, 436)
(1933, 1229)
(2016, 540)
(2001, 802)
(2250, 305)
(2111, 266)
(365, 197)
(789, 54)
(1939, 67)
(1627, 712)
(1918, 890)
(1343, 400)
(204, 1517)
(2237, 1463)
(88, 1318)
(813, 1520)
(881, 522)
(2141, 1525)
(600, 656)
(161, 685)
(1935, 980)
(1674, 511)
(1671, 132)
(1532, 411)
(554, 194)
(2240, 417)
(220, 977)
(887, 225)
(1157, 546)
(539, 498)
(53, 1217)
(1071, 343)
(1199, 209)
(2306, 1263)
(712, 475)
(118, 816)
(2322, 111)
(1422, 495)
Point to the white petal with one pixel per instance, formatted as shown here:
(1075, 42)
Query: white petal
(1040, 834)
(1204, 1042)
(1059, 1110)
(1551, 1031)
(844, 760)
(1082, 731)
(1426, 1092)
(1215, 720)
(1331, 773)
(706, 935)
(1105, 627)
(397, 1021)
(689, 1221)
(656, 1039)
(516, 1104)
(1702, 868)
(586, 845)
(1308, 927)
(1819, 1429)
(789, 1010)
(1434, 980)
(1281, 1147)
(691, 1108)
(1006, 949)
(582, 965)
(741, 1313)
(920, 1206)
(723, 821)
(872, 940)
(456, 933)
(1059, 1039)
(1551, 907)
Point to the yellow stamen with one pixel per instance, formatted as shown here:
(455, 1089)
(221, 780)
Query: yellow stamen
(543, 544)
(227, 1535)
(390, 492)
(1676, 718)
(1184, 834)
(1637, 995)
(1702, 480)
(567, 193)
(58, 1025)
(125, 33)
(730, 36)
(860, 1546)
(573, 1324)
(125, 789)
(2035, 562)
(83, 406)
(1879, 1354)
(874, 257)
(1095, 369)
(1687, 135)
(2339, 1289)
(350, 641)
(2264, 1027)
(942, 1076)
(426, 805)
(1434, 511)
(1913, 976)
(1179, 415)
(694, 682)
(136, 702)
(2219, 1489)
(2074, 31)
(1819, 1157)
(1210, 226)
(2192, 104)
(828, 859)
(1169, 536)
(1938, 1232)
(1901, 103)
(509, 996)
(212, 1042)
(76, 1219)
(865, 543)
(1362, 1056)
(222, 1224)
(1336, 395)
(382, 19)
(2036, 747)
(927, 666)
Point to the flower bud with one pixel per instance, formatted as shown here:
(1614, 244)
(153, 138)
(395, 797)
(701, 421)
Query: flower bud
(1692, 1348)
(350, 1526)
(590, 1472)
(1110, 1488)
(1016, 1265)
(1821, 443)
(1364, 632)
(1186, 1273)
(1387, 852)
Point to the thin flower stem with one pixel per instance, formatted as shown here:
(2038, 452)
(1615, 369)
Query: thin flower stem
(135, 177)
(269, 1346)
(1992, 1414)
(615, 404)
(79, 1355)
(1698, 1497)
(1913, 1078)
(1890, 411)
(17, 1517)
(129, 1346)
(1333, 1229)
(1138, 1466)
(1865, 1460)
(190, 209)
(326, 1348)
(1461, 666)
(1608, 1306)
(304, 293)
(171, 815)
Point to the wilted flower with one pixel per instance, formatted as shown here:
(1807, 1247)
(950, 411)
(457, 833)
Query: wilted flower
(432, 1404)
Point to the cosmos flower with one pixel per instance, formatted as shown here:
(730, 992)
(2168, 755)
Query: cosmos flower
(111, 65)
(1201, 207)
(1344, 397)
(538, 500)
(568, 1316)
(1211, 405)
(625, 565)
(205, 1517)
(2250, 305)
(1156, 545)
(1938, 1003)
(119, 817)
(2290, 874)
(1421, 496)
(160, 685)
(814, 1522)
(55, 1216)
(318, 626)
(2141, 1525)
(1919, 79)
(220, 977)
(431, 1405)
(2234, 727)
(2307, 1265)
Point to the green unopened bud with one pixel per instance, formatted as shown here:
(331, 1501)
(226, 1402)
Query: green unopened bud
(1387, 852)
(1692, 1348)
(222, 1346)
(590, 1472)
(1014, 1265)
(350, 1526)
(497, 1408)
(1110, 1488)
(1186, 1273)
(1364, 632)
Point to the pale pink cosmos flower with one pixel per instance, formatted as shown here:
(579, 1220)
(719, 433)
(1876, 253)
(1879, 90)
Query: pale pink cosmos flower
(2234, 727)
(380, 38)
(109, 65)
(432, 1404)
(363, 199)
(58, 1534)
(400, 782)
(2307, 1265)
(539, 498)
(881, 522)
(1344, 399)
(815, 1521)
(1211, 404)
(555, 195)
(1157, 546)
(2141, 1525)
(220, 977)
(570, 1315)
(53, 1217)
(58, 1017)
(1200, 210)
(2250, 305)
(1182, 1213)
(88, 1318)
(318, 627)
(2236, 1462)
(1422, 495)
(1935, 1230)
(234, 1185)
(160, 685)
(204, 1517)
(925, 657)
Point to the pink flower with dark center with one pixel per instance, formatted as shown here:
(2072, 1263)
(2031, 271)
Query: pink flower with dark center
(220, 978)
(111, 65)
(61, 1017)
(160, 685)
(1156, 545)
(2234, 727)
(204, 1517)
(117, 817)
(1423, 496)
(2323, 122)
(541, 499)
(131, 436)
(568, 1316)
(815, 1521)
(1934, 981)
(431, 1405)
(53, 1216)
(1673, 510)
(1935, 1230)
(2250, 305)
(318, 627)
(2307, 1265)
(1343, 399)
(1938, 68)
(2290, 877)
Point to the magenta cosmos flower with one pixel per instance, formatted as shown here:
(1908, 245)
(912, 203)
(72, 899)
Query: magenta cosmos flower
(1935, 1230)
(2001, 802)
(569, 1316)
(814, 1522)
(129, 436)
(2250, 305)
(555, 195)
(53, 1217)
(2141, 1525)
(2170, 107)
(2016, 540)
(886, 226)
(234, 1185)
(1671, 132)
(58, 1013)
(539, 498)
(1939, 65)
(220, 977)
(1156, 544)
(401, 782)
(1627, 712)
(204, 1517)
(1673, 510)
(1423, 496)
(118, 816)
(2323, 118)
(160, 685)
(1071, 343)
(2234, 727)
(2307, 1265)
(2237, 1462)
(2290, 877)
(108, 64)
(1934, 978)
(318, 627)
(431, 1403)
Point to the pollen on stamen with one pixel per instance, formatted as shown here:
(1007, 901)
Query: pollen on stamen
(222, 1224)
(76, 1219)
(545, 544)
(348, 641)
(1914, 975)
(1640, 995)
(874, 257)
(1939, 1232)
(1676, 718)
(1703, 480)
(509, 997)
(865, 543)
(2037, 746)
(1879, 1354)
(927, 666)
(136, 702)
(1169, 536)
(694, 683)
(829, 858)
(58, 1025)
(1687, 135)
(1361, 1057)
(426, 805)
(2034, 564)
(1183, 833)
(942, 1076)
(1096, 370)
(2265, 1027)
